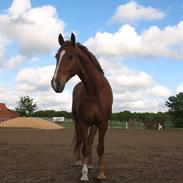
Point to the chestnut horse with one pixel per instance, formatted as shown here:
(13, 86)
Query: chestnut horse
(92, 99)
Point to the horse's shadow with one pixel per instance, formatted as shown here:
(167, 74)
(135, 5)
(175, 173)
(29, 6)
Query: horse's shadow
(93, 180)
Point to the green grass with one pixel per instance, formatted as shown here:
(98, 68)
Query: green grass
(67, 124)
(116, 124)
(112, 124)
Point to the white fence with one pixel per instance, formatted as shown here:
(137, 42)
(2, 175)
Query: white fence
(58, 119)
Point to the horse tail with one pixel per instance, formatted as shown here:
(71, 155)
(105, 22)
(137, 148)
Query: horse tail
(77, 139)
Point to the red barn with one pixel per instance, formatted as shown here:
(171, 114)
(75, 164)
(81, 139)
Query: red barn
(6, 114)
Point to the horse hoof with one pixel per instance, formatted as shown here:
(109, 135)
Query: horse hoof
(99, 180)
(84, 179)
(78, 163)
(101, 177)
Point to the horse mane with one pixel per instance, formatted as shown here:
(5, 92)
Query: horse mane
(92, 58)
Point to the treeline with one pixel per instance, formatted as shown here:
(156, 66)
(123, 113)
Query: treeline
(146, 116)
(52, 113)
(119, 116)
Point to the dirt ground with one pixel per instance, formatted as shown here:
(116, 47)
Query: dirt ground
(45, 156)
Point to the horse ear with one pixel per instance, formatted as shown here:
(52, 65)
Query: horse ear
(60, 39)
(73, 38)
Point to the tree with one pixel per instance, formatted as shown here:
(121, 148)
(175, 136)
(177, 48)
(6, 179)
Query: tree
(52, 113)
(26, 106)
(175, 104)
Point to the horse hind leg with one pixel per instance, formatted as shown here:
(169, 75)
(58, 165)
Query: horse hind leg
(78, 143)
(93, 131)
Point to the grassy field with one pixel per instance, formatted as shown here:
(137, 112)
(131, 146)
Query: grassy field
(68, 123)
(112, 124)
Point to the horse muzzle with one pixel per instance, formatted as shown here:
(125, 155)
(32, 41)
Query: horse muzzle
(58, 87)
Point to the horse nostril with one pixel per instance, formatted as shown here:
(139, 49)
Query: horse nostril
(59, 85)
(55, 86)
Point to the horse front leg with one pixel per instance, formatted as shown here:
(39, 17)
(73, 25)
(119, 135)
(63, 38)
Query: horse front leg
(100, 151)
(85, 152)
(78, 159)
(78, 143)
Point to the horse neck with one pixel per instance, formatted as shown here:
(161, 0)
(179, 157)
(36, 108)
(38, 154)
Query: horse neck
(89, 75)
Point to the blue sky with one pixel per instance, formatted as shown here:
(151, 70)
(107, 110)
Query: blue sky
(138, 43)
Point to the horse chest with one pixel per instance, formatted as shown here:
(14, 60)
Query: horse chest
(86, 109)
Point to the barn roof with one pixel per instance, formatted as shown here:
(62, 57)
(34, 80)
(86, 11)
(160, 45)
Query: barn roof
(5, 112)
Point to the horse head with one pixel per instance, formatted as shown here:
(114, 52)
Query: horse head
(67, 63)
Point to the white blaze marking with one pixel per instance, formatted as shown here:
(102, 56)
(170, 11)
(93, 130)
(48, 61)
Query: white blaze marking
(57, 67)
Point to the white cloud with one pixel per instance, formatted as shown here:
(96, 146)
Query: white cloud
(161, 91)
(125, 42)
(2, 88)
(3, 44)
(36, 82)
(35, 78)
(12, 62)
(129, 79)
(19, 7)
(29, 27)
(38, 79)
(52, 100)
(138, 101)
(134, 90)
(123, 79)
(15, 61)
(128, 96)
(144, 105)
(47, 99)
(8, 96)
(179, 88)
(151, 43)
(132, 11)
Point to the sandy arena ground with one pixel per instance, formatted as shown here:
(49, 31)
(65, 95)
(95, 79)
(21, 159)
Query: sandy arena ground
(29, 122)
(45, 156)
